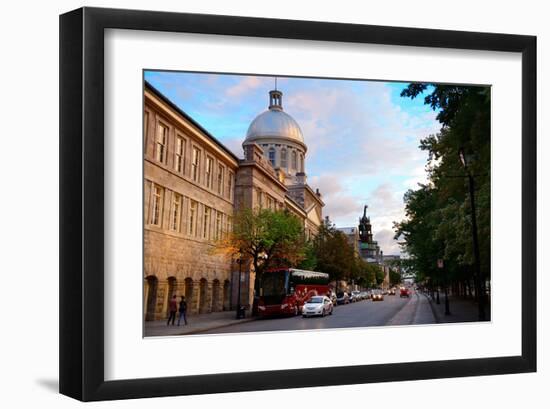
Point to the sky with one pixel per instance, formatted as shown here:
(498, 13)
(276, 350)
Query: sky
(362, 137)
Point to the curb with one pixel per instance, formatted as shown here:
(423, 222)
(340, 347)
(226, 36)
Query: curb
(228, 324)
(436, 316)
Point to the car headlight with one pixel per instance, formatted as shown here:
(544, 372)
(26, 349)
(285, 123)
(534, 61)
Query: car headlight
(261, 307)
(283, 306)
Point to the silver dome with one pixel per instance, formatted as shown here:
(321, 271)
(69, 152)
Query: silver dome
(274, 124)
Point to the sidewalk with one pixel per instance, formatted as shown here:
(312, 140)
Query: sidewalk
(416, 312)
(195, 324)
(462, 310)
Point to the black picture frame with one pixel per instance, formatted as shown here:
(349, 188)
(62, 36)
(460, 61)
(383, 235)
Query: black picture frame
(82, 200)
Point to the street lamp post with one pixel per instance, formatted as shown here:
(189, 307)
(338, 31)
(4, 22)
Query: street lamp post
(447, 310)
(441, 265)
(479, 282)
(239, 260)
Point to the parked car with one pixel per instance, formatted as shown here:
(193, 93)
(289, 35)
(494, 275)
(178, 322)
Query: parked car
(403, 292)
(342, 298)
(356, 295)
(319, 305)
(377, 295)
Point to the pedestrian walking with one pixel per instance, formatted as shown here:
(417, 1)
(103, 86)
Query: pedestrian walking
(173, 309)
(183, 311)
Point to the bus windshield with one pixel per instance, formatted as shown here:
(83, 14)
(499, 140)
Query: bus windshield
(273, 286)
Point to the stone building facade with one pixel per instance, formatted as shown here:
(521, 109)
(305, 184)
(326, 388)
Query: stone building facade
(192, 186)
(189, 181)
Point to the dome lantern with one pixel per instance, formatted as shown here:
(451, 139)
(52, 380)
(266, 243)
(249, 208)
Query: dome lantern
(275, 100)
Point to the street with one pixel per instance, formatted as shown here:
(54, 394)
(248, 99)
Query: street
(392, 311)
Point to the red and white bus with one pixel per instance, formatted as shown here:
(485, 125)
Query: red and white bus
(284, 291)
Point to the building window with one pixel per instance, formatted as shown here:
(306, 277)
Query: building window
(271, 154)
(162, 138)
(230, 186)
(196, 164)
(259, 198)
(229, 227)
(301, 163)
(179, 162)
(175, 217)
(145, 128)
(156, 205)
(192, 218)
(209, 164)
(206, 223)
(269, 202)
(219, 220)
(220, 179)
(284, 158)
(294, 160)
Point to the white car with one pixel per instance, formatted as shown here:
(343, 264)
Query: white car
(318, 305)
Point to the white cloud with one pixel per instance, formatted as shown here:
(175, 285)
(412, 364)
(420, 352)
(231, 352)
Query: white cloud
(244, 86)
(357, 129)
(339, 201)
(386, 242)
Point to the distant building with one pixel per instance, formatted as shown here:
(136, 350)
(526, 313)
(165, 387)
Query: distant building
(352, 234)
(369, 250)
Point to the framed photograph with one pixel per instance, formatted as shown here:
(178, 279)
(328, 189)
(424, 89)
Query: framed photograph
(251, 204)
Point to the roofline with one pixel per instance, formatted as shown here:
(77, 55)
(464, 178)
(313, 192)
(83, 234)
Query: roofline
(165, 99)
(295, 204)
(255, 139)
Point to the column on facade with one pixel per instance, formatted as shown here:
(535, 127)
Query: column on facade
(146, 290)
(209, 299)
(163, 298)
(180, 288)
(195, 299)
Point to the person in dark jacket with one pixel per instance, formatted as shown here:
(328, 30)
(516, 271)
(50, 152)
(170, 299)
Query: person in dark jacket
(173, 309)
(182, 311)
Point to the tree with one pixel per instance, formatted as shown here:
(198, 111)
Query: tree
(395, 277)
(268, 238)
(333, 253)
(438, 214)
(379, 273)
(310, 257)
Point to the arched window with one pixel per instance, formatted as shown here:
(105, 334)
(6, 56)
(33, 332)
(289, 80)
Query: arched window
(301, 162)
(271, 153)
(284, 163)
(294, 160)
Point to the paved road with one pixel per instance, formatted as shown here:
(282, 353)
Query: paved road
(360, 314)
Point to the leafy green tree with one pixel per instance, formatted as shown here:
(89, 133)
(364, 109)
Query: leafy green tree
(333, 253)
(379, 273)
(395, 277)
(438, 214)
(267, 238)
(310, 257)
